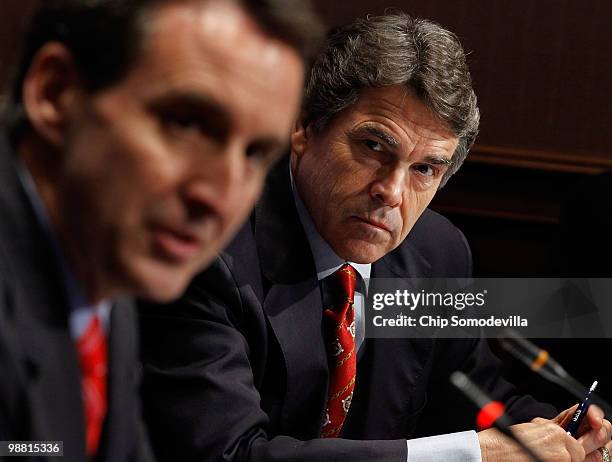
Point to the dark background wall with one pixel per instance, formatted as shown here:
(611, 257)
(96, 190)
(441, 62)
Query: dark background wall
(541, 69)
(14, 16)
(529, 199)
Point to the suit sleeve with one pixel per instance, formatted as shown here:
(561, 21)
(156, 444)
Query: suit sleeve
(200, 394)
(485, 369)
(446, 412)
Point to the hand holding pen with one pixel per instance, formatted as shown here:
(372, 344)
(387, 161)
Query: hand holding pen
(586, 423)
(580, 413)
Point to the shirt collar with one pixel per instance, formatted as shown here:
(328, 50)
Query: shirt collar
(325, 259)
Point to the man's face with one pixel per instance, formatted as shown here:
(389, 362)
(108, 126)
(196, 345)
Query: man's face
(368, 176)
(160, 169)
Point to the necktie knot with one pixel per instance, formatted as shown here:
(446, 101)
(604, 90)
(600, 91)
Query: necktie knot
(342, 285)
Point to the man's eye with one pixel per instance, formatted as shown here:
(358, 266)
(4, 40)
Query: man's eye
(374, 145)
(263, 154)
(425, 169)
(256, 152)
(182, 122)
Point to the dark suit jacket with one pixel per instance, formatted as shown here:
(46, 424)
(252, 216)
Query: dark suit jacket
(237, 370)
(40, 391)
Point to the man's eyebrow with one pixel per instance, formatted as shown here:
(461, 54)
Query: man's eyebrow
(379, 133)
(438, 160)
(212, 116)
(389, 139)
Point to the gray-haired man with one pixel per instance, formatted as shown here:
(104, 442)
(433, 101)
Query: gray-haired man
(260, 344)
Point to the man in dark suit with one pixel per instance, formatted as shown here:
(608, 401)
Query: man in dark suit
(264, 358)
(131, 155)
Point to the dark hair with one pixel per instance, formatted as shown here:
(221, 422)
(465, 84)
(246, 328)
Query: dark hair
(105, 35)
(396, 49)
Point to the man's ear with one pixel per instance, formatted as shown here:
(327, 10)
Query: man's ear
(52, 89)
(299, 137)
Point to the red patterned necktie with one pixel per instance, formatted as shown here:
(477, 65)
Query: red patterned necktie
(341, 349)
(92, 350)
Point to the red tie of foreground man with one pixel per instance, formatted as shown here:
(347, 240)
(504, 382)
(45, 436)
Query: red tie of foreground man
(92, 351)
(340, 340)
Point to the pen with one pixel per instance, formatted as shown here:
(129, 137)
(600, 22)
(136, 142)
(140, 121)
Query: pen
(581, 411)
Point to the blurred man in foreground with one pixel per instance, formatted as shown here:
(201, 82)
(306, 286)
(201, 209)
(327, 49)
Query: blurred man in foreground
(138, 139)
(264, 358)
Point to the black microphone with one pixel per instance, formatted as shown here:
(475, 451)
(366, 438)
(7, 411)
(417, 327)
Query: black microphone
(491, 413)
(540, 361)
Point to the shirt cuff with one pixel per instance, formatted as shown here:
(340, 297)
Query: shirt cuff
(458, 447)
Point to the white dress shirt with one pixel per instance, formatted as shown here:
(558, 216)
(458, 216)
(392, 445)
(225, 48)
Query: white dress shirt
(456, 447)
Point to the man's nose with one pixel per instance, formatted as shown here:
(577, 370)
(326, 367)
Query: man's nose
(389, 188)
(217, 180)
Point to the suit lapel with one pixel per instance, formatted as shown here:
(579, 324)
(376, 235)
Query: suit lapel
(295, 316)
(404, 262)
(48, 353)
(293, 304)
(118, 433)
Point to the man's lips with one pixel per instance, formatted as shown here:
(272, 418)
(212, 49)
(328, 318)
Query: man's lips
(176, 245)
(374, 222)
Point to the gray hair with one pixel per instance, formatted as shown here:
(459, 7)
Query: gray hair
(396, 49)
